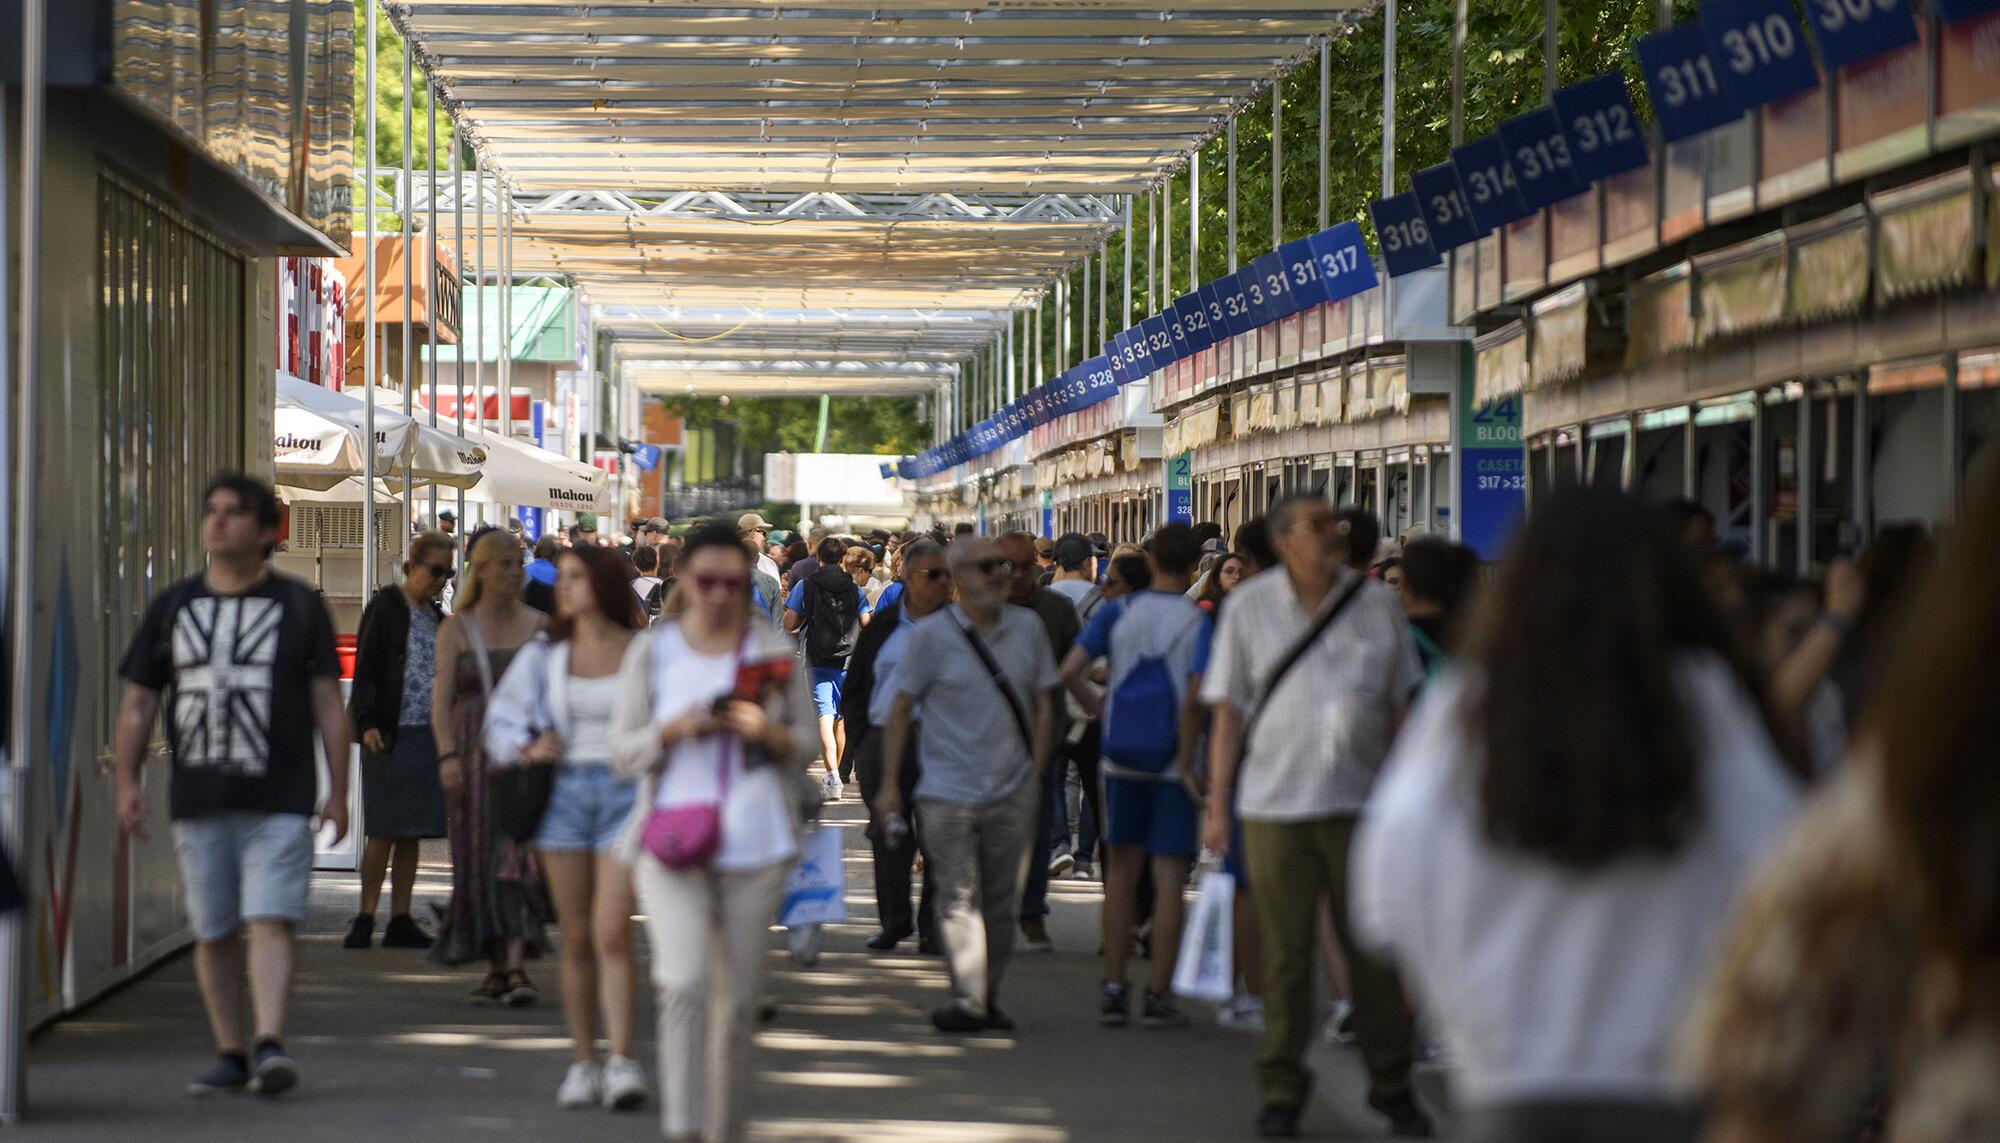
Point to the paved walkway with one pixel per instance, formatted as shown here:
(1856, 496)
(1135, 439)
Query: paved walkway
(390, 1050)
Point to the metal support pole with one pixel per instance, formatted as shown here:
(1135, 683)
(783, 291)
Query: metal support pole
(479, 294)
(503, 201)
(1103, 295)
(1229, 197)
(1759, 480)
(1326, 113)
(431, 265)
(17, 571)
(1083, 327)
(1388, 100)
(1152, 251)
(1954, 439)
(408, 377)
(1278, 161)
(1690, 458)
(1550, 46)
(368, 325)
(1460, 20)
(1062, 323)
(1807, 475)
(1125, 315)
(458, 359)
(1194, 221)
(1864, 460)
(1167, 242)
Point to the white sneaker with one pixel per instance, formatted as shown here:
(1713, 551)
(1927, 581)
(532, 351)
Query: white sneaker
(582, 1087)
(832, 785)
(804, 942)
(1241, 1013)
(1340, 1024)
(624, 1084)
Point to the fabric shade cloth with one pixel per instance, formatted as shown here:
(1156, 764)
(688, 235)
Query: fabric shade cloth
(522, 475)
(310, 417)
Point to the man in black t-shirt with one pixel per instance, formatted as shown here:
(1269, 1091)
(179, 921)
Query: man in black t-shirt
(246, 663)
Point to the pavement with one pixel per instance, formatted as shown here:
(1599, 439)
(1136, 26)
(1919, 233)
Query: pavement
(389, 1048)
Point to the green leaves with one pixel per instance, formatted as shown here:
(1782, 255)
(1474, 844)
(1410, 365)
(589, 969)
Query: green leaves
(885, 426)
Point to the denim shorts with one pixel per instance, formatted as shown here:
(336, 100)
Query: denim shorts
(241, 865)
(1157, 815)
(826, 690)
(587, 810)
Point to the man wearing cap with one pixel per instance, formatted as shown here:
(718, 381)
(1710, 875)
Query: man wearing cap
(448, 522)
(1045, 557)
(584, 533)
(752, 526)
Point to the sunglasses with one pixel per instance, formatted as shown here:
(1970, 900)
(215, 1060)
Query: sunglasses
(442, 571)
(935, 574)
(993, 566)
(721, 582)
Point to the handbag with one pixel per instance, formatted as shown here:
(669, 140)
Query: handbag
(689, 835)
(519, 795)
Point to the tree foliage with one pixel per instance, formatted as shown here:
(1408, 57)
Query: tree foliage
(389, 98)
(885, 426)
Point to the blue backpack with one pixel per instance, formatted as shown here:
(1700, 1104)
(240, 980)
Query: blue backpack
(1143, 731)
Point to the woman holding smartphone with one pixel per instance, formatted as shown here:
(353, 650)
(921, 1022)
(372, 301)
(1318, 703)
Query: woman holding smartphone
(716, 723)
(553, 708)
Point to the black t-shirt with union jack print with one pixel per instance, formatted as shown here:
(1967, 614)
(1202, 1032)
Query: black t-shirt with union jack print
(239, 669)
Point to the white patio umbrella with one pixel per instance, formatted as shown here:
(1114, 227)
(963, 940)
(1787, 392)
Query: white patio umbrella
(432, 455)
(311, 451)
(526, 476)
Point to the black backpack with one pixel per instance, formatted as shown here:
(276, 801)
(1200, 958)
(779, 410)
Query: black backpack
(833, 617)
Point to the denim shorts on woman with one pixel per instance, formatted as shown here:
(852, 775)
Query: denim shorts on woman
(587, 809)
(240, 865)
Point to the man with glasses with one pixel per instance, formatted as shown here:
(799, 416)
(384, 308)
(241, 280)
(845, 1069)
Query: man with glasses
(865, 701)
(1061, 624)
(1308, 677)
(395, 663)
(250, 657)
(985, 678)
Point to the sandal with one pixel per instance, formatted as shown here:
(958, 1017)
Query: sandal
(519, 990)
(491, 990)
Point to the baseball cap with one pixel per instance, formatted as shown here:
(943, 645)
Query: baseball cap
(1071, 549)
(752, 522)
(586, 522)
(656, 524)
(1044, 546)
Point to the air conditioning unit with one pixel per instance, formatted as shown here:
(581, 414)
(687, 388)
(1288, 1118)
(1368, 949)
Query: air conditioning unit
(338, 527)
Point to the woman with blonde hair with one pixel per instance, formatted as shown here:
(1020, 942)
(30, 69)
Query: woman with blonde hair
(498, 902)
(715, 719)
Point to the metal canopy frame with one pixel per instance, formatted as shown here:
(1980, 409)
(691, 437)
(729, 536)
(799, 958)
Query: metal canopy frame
(838, 189)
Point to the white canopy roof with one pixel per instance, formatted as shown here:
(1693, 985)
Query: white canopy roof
(311, 419)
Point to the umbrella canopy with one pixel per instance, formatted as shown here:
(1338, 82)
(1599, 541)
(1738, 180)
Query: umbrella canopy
(523, 475)
(311, 451)
(309, 416)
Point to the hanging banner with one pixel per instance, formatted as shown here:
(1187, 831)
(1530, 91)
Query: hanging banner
(1488, 179)
(1177, 335)
(1492, 468)
(1307, 288)
(1344, 265)
(1406, 241)
(1758, 50)
(1687, 95)
(1849, 32)
(1235, 304)
(1159, 343)
(1953, 11)
(1539, 153)
(1211, 304)
(1274, 280)
(1445, 212)
(1603, 131)
(1193, 316)
(1180, 488)
(1121, 364)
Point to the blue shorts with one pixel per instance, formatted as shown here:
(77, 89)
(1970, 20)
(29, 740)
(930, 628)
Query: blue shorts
(827, 682)
(240, 865)
(1157, 815)
(587, 810)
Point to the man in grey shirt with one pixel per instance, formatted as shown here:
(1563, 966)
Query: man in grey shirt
(983, 743)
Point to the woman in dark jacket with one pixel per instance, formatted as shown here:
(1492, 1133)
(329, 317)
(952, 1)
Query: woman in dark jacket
(394, 664)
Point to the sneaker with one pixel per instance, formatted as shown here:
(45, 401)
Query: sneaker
(229, 1073)
(403, 932)
(1116, 1009)
(492, 989)
(361, 933)
(1084, 872)
(884, 940)
(831, 786)
(520, 992)
(1061, 864)
(1161, 1011)
(582, 1086)
(274, 1070)
(998, 1021)
(1278, 1121)
(624, 1084)
(804, 942)
(1406, 1119)
(1035, 936)
(1244, 1013)
(952, 1018)
(1340, 1024)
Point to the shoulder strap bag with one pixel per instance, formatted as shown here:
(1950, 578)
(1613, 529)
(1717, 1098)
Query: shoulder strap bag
(1292, 655)
(1014, 704)
(688, 835)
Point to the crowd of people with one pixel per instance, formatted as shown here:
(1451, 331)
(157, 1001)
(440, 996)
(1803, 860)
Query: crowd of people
(1633, 840)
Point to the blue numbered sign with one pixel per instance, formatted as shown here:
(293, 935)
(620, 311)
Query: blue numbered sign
(1211, 303)
(1345, 268)
(1159, 343)
(1177, 333)
(1952, 11)
(1406, 241)
(1488, 179)
(1758, 50)
(1855, 31)
(1539, 152)
(1604, 136)
(1687, 93)
(1445, 210)
(1193, 316)
(1275, 284)
(1307, 289)
(1236, 317)
(1114, 350)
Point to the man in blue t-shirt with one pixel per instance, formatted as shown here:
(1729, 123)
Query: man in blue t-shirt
(1153, 640)
(826, 607)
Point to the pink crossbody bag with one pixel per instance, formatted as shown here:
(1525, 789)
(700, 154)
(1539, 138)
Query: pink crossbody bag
(689, 835)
